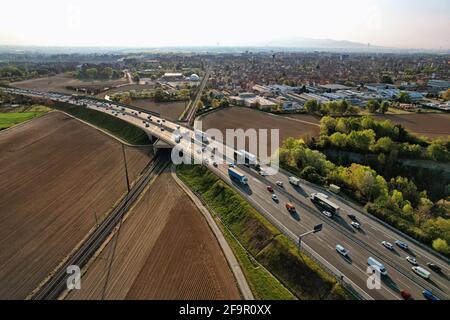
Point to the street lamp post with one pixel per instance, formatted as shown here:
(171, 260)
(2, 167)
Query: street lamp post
(316, 229)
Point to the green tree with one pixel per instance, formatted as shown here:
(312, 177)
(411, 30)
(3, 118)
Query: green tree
(442, 246)
(312, 106)
(361, 140)
(373, 105)
(107, 73)
(384, 107)
(92, 73)
(404, 97)
(438, 152)
(339, 140)
(384, 144)
(385, 78)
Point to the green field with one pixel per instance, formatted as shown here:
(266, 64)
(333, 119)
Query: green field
(9, 119)
(303, 277)
(117, 127)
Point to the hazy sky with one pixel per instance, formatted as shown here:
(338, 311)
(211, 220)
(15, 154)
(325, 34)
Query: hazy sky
(397, 23)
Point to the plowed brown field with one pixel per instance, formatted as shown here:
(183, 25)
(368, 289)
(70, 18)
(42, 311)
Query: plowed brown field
(432, 125)
(56, 174)
(165, 250)
(245, 118)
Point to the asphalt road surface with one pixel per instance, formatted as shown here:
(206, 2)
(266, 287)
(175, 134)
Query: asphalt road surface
(361, 244)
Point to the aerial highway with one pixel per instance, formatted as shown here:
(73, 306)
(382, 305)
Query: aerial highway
(361, 243)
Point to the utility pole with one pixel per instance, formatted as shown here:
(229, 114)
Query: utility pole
(126, 167)
(316, 229)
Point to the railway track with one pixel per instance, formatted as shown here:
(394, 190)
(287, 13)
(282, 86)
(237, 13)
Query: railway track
(189, 114)
(57, 283)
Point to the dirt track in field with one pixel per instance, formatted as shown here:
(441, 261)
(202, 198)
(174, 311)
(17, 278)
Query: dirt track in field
(56, 173)
(245, 118)
(165, 250)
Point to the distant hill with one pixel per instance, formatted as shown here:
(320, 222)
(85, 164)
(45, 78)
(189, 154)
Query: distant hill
(309, 43)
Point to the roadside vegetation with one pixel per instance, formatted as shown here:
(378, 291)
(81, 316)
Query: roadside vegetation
(336, 108)
(396, 201)
(384, 146)
(297, 272)
(157, 95)
(97, 72)
(117, 127)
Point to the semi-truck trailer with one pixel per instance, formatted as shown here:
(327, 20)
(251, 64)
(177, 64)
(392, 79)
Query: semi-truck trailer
(237, 175)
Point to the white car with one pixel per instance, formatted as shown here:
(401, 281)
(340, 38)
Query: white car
(342, 250)
(280, 184)
(388, 245)
(275, 198)
(412, 260)
(263, 173)
(355, 225)
(327, 213)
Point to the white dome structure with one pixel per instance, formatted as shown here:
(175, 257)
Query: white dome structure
(194, 77)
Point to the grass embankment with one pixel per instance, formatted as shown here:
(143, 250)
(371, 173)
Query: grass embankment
(9, 119)
(115, 126)
(298, 273)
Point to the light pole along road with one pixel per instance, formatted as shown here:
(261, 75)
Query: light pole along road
(361, 244)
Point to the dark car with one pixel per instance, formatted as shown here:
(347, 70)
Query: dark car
(429, 296)
(406, 295)
(434, 267)
(352, 217)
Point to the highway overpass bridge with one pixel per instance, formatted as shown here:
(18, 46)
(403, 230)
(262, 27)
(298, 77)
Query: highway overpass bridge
(361, 244)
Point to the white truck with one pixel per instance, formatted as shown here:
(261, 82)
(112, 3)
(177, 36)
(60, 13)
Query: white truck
(294, 181)
(334, 188)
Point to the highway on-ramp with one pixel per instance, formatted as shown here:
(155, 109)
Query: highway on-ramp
(361, 244)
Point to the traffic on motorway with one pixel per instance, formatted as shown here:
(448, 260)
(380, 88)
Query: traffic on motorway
(350, 241)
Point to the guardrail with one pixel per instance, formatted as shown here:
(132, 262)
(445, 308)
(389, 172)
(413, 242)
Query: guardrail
(303, 249)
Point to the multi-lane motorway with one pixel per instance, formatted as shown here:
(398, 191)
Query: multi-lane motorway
(361, 244)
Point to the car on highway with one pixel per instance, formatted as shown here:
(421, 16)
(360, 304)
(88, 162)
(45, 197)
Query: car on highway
(406, 295)
(412, 260)
(402, 245)
(434, 267)
(387, 245)
(356, 225)
(215, 164)
(162, 129)
(177, 127)
(341, 250)
(290, 207)
(269, 188)
(147, 125)
(280, 184)
(421, 272)
(327, 213)
(275, 198)
(429, 295)
(352, 217)
(231, 165)
(263, 173)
